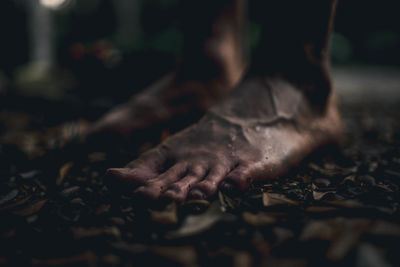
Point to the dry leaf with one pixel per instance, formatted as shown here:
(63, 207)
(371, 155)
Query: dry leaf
(317, 209)
(324, 230)
(351, 178)
(349, 203)
(274, 199)
(186, 256)
(167, 216)
(370, 255)
(80, 232)
(103, 208)
(322, 182)
(242, 259)
(31, 209)
(97, 157)
(385, 187)
(7, 197)
(63, 172)
(350, 233)
(88, 257)
(319, 195)
(29, 175)
(385, 228)
(195, 224)
(117, 220)
(258, 219)
(16, 203)
(70, 190)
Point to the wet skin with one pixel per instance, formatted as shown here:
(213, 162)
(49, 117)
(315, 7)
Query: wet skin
(263, 128)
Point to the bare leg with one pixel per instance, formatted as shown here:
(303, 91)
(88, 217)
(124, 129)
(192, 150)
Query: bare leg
(282, 110)
(210, 65)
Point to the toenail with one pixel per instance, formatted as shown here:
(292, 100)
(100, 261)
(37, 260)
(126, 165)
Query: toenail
(197, 194)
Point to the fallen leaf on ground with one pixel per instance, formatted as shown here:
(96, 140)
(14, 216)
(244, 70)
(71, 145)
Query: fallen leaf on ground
(195, 224)
(70, 190)
(103, 208)
(318, 209)
(347, 238)
(63, 172)
(274, 199)
(31, 208)
(167, 216)
(385, 228)
(187, 255)
(319, 195)
(15, 204)
(324, 230)
(80, 232)
(89, 257)
(258, 219)
(9, 196)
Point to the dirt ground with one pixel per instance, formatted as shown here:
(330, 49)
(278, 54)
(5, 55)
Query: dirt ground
(340, 206)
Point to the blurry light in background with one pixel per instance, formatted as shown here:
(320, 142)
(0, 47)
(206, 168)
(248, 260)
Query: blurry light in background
(54, 4)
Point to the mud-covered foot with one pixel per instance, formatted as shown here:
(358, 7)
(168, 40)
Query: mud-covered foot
(261, 130)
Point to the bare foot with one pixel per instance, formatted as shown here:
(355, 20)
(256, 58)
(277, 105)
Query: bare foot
(170, 97)
(265, 127)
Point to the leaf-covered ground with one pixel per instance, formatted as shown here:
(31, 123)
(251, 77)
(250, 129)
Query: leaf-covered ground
(340, 206)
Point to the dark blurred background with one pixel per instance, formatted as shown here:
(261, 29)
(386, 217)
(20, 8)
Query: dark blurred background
(81, 57)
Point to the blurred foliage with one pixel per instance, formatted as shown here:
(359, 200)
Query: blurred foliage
(366, 31)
